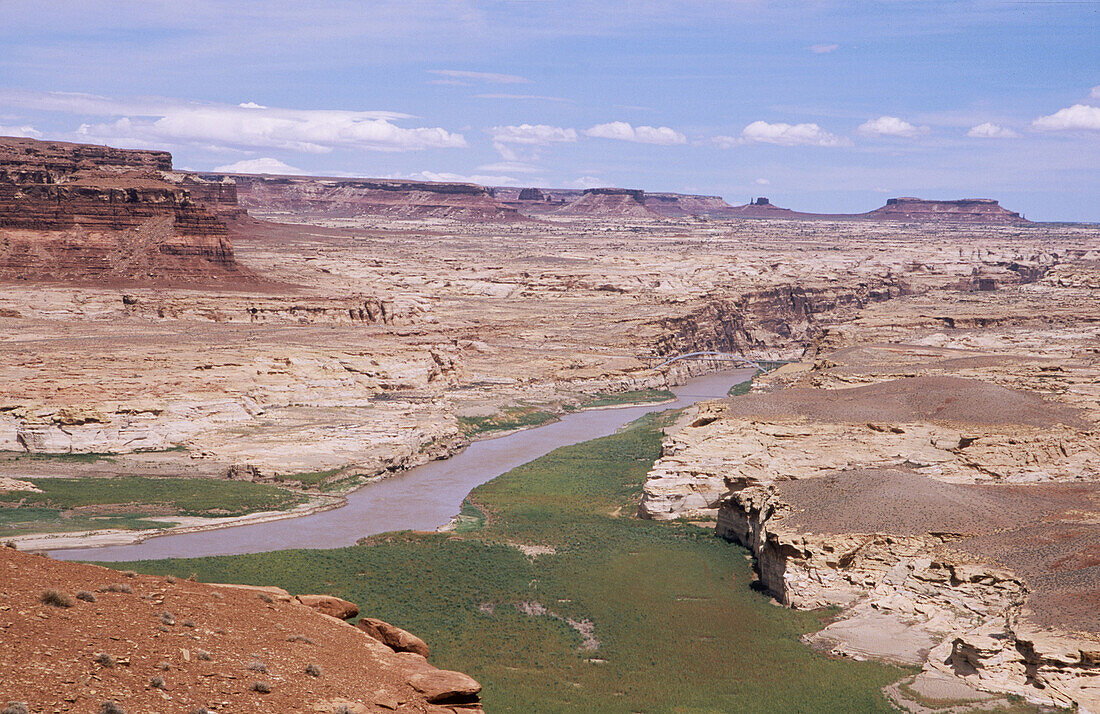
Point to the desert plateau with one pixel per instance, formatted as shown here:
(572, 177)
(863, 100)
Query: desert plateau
(686, 358)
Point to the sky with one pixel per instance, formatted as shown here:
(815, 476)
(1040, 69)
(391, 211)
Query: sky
(819, 105)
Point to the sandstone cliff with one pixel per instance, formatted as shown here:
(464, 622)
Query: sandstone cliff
(609, 202)
(76, 636)
(78, 213)
(349, 197)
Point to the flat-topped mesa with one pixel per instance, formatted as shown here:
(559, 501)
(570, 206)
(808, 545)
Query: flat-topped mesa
(967, 210)
(610, 202)
(352, 197)
(680, 205)
(84, 212)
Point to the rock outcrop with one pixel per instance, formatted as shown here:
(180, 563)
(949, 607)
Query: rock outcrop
(73, 213)
(610, 203)
(680, 205)
(913, 210)
(104, 636)
(350, 197)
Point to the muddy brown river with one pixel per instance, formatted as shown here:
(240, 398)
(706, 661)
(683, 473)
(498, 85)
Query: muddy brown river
(422, 498)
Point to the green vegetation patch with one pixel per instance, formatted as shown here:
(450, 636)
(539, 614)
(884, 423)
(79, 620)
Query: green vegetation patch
(636, 396)
(82, 458)
(613, 614)
(509, 419)
(308, 478)
(73, 504)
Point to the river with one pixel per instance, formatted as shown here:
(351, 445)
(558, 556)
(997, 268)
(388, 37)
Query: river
(422, 498)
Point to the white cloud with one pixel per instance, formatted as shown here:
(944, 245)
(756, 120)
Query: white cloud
(532, 134)
(447, 177)
(1077, 117)
(586, 182)
(310, 130)
(891, 126)
(783, 135)
(762, 182)
(823, 49)
(989, 130)
(641, 134)
(266, 165)
(490, 77)
(510, 166)
(152, 121)
(26, 131)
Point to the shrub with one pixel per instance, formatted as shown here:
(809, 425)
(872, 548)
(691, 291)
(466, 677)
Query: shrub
(15, 708)
(299, 638)
(129, 574)
(257, 666)
(313, 670)
(110, 707)
(85, 596)
(203, 655)
(188, 623)
(163, 666)
(261, 687)
(266, 598)
(104, 659)
(119, 588)
(171, 579)
(55, 598)
(157, 682)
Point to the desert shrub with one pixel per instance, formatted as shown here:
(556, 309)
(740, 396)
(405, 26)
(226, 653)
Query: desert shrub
(163, 628)
(261, 687)
(203, 655)
(110, 707)
(188, 623)
(171, 579)
(55, 598)
(313, 670)
(15, 708)
(129, 574)
(299, 638)
(157, 682)
(164, 666)
(104, 659)
(85, 596)
(120, 588)
(266, 598)
(257, 666)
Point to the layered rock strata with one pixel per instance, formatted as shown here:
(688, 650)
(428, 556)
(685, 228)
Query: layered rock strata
(72, 212)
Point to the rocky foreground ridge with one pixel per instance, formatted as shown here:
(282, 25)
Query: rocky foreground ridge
(931, 467)
(75, 212)
(76, 636)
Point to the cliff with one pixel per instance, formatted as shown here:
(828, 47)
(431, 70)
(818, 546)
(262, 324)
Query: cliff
(349, 197)
(77, 636)
(73, 212)
(913, 210)
(609, 202)
(679, 205)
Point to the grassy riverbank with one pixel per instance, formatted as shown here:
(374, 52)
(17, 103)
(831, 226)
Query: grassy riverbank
(131, 502)
(678, 626)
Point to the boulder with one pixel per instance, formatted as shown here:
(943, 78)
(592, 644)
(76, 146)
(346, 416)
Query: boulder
(393, 637)
(329, 605)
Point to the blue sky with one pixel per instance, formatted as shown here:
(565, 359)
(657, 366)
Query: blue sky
(822, 106)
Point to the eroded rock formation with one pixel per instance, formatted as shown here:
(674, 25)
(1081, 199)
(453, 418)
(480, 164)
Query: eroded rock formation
(77, 213)
(105, 636)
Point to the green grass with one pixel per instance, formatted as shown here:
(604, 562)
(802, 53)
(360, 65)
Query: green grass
(678, 624)
(637, 396)
(88, 458)
(308, 478)
(509, 419)
(132, 499)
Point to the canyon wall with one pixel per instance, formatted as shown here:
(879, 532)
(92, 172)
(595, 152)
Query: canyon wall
(74, 212)
(350, 197)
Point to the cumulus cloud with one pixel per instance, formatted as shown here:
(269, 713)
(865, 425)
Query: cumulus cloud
(641, 134)
(490, 77)
(309, 130)
(447, 177)
(891, 126)
(26, 131)
(265, 165)
(989, 130)
(762, 182)
(823, 49)
(1075, 118)
(783, 135)
(586, 182)
(532, 134)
